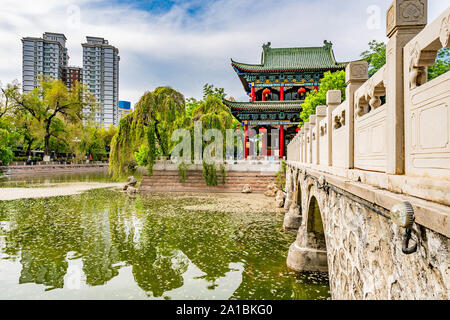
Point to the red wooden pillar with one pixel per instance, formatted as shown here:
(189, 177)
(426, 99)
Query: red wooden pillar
(281, 142)
(245, 141)
(253, 94)
(282, 93)
(263, 97)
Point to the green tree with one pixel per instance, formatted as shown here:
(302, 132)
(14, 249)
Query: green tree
(159, 113)
(191, 105)
(211, 90)
(143, 155)
(7, 95)
(442, 64)
(27, 128)
(8, 134)
(330, 81)
(375, 56)
(52, 105)
(106, 134)
(7, 140)
(92, 143)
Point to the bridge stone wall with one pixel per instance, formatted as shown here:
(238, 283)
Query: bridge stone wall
(363, 253)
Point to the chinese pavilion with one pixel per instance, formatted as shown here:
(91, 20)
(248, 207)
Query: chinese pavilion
(277, 88)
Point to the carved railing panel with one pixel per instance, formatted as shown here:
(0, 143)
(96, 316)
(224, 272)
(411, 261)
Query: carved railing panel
(370, 146)
(427, 104)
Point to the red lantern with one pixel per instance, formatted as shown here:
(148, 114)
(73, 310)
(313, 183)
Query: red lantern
(266, 91)
(301, 90)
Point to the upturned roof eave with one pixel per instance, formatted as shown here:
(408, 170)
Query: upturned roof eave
(264, 106)
(259, 68)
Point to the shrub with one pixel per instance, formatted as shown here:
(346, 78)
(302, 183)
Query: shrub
(182, 169)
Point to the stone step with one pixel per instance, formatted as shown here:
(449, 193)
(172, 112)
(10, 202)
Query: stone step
(235, 181)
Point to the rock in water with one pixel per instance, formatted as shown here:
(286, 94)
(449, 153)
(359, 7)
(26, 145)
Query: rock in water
(131, 190)
(247, 189)
(131, 182)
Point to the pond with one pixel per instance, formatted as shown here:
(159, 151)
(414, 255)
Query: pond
(104, 244)
(46, 179)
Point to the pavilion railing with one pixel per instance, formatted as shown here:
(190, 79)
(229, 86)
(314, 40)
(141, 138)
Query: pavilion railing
(394, 124)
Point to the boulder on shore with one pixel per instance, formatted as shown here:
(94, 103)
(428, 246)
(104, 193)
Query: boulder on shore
(280, 198)
(131, 181)
(247, 189)
(271, 190)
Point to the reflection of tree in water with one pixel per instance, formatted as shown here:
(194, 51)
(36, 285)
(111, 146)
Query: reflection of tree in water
(157, 268)
(206, 238)
(44, 235)
(43, 269)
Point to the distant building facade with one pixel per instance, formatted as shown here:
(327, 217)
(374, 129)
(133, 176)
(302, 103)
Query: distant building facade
(101, 75)
(47, 56)
(71, 75)
(124, 108)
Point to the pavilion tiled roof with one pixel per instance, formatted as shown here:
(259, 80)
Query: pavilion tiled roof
(293, 59)
(290, 105)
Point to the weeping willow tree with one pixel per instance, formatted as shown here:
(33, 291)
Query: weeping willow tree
(214, 115)
(156, 116)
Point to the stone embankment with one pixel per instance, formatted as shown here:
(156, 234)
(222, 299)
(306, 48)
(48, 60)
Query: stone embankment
(53, 168)
(234, 182)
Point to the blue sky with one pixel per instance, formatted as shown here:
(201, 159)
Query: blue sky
(187, 43)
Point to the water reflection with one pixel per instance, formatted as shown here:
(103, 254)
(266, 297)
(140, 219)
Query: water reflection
(105, 245)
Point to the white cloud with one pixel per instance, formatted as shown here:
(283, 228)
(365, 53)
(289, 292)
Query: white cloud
(186, 50)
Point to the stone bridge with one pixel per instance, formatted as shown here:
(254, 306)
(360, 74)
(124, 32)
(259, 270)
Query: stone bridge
(386, 146)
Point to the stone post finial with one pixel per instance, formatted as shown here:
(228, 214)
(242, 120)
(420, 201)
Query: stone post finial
(321, 111)
(356, 71)
(334, 97)
(406, 13)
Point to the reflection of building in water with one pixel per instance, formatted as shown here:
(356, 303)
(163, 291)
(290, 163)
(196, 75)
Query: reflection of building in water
(99, 252)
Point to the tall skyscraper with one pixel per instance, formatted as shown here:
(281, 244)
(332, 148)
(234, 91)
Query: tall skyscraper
(101, 75)
(47, 56)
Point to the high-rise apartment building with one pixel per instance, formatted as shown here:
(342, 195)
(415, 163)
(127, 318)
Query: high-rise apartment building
(101, 75)
(47, 56)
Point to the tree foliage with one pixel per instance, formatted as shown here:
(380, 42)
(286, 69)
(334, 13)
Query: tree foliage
(375, 56)
(156, 116)
(52, 105)
(7, 139)
(330, 81)
(442, 64)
